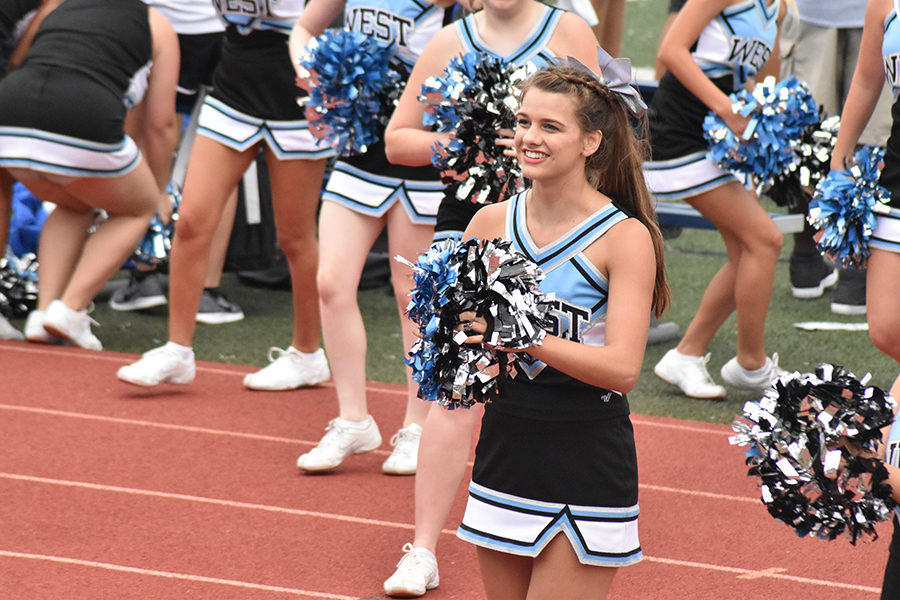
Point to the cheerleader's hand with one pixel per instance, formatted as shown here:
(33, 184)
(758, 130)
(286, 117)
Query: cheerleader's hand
(737, 123)
(473, 326)
(505, 138)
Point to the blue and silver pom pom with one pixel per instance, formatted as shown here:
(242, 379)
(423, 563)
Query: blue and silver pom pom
(492, 280)
(353, 89)
(778, 114)
(844, 208)
(807, 436)
(156, 244)
(475, 96)
(793, 188)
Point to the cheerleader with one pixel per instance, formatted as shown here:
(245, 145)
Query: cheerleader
(62, 136)
(711, 50)
(879, 56)
(252, 108)
(14, 19)
(364, 195)
(524, 31)
(553, 501)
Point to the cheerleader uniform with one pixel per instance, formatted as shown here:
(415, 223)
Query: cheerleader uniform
(556, 454)
(254, 96)
(15, 15)
(886, 235)
(368, 183)
(62, 112)
(732, 47)
(454, 215)
(200, 32)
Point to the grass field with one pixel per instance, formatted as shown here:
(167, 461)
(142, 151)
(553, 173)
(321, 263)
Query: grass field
(691, 258)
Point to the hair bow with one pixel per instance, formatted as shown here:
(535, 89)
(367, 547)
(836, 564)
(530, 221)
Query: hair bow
(616, 76)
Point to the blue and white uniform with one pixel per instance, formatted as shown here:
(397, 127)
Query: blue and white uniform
(62, 111)
(732, 48)
(454, 215)
(368, 183)
(556, 454)
(886, 235)
(254, 96)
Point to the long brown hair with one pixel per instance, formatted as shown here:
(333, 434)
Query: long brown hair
(616, 168)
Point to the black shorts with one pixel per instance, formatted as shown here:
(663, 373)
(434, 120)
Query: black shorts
(200, 54)
(676, 5)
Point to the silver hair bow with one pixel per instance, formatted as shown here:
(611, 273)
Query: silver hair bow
(616, 75)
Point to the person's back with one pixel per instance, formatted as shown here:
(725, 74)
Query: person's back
(88, 52)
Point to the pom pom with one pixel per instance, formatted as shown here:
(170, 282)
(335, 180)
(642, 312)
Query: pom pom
(475, 97)
(793, 188)
(155, 246)
(353, 89)
(492, 280)
(801, 434)
(844, 208)
(780, 111)
(18, 284)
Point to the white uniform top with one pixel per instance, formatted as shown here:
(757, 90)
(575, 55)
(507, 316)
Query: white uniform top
(189, 17)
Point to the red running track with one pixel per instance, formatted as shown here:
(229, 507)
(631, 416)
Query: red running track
(108, 491)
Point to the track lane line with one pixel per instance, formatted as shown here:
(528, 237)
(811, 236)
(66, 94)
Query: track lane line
(99, 487)
(172, 575)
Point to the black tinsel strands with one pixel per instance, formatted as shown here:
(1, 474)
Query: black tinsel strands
(793, 187)
(18, 284)
(778, 111)
(844, 208)
(353, 89)
(799, 435)
(492, 280)
(476, 96)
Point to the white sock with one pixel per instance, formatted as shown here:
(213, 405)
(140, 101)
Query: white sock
(308, 355)
(687, 356)
(357, 424)
(183, 352)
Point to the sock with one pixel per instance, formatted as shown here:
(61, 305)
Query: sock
(183, 352)
(687, 356)
(360, 425)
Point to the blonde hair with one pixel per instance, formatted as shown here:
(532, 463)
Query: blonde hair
(616, 168)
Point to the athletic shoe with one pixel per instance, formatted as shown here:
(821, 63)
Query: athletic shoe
(145, 289)
(216, 309)
(289, 370)
(810, 275)
(160, 365)
(34, 328)
(689, 374)
(8, 332)
(73, 326)
(758, 379)
(849, 297)
(403, 459)
(342, 438)
(416, 573)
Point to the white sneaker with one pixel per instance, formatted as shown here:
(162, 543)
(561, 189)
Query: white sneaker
(403, 459)
(758, 379)
(416, 573)
(34, 328)
(289, 370)
(342, 439)
(688, 373)
(74, 326)
(8, 332)
(160, 365)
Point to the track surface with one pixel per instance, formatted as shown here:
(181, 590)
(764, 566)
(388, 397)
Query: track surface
(112, 491)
